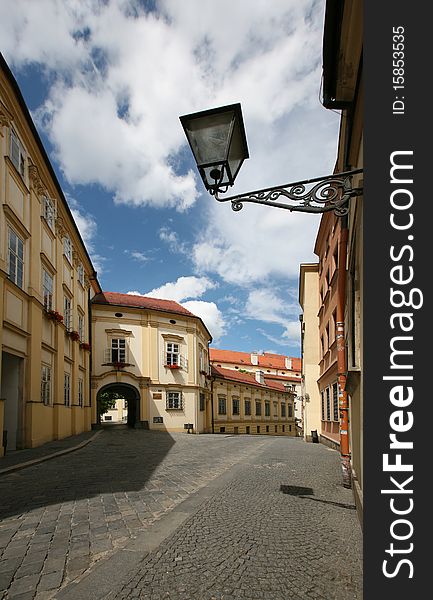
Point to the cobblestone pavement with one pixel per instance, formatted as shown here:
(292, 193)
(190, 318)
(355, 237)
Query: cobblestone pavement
(67, 519)
(283, 529)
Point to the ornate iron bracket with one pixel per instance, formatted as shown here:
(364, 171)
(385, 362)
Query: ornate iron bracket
(331, 192)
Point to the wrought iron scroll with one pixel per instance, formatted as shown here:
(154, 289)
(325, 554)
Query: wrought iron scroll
(319, 195)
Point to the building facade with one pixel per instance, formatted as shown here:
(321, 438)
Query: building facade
(245, 403)
(339, 247)
(46, 280)
(154, 353)
(310, 351)
(275, 367)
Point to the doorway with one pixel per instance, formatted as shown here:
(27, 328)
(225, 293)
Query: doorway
(12, 393)
(125, 400)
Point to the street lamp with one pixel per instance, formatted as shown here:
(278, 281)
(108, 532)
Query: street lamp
(219, 145)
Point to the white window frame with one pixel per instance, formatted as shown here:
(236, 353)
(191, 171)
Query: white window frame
(46, 384)
(172, 354)
(67, 313)
(119, 346)
(47, 289)
(49, 212)
(67, 389)
(17, 153)
(15, 258)
(80, 272)
(173, 400)
(67, 248)
(80, 326)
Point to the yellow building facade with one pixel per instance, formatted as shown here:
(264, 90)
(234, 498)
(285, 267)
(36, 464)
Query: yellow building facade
(244, 403)
(155, 354)
(46, 280)
(310, 352)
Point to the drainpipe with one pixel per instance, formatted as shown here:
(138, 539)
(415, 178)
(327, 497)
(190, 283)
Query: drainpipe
(342, 358)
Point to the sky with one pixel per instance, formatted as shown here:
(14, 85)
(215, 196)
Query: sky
(106, 81)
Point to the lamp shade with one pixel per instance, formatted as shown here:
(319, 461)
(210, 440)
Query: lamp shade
(218, 142)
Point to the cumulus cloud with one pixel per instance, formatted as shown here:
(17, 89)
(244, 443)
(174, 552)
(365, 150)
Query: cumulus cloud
(88, 228)
(211, 316)
(270, 307)
(117, 91)
(182, 289)
(192, 287)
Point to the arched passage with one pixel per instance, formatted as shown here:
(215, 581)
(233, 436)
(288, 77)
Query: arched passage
(131, 395)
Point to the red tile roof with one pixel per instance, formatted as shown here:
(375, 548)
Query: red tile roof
(246, 378)
(133, 301)
(275, 361)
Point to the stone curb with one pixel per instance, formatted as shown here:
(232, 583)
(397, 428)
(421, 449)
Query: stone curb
(34, 461)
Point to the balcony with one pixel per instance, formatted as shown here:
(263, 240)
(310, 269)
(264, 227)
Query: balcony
(175, 361)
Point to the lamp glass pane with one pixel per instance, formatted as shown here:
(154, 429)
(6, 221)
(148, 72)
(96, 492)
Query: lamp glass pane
(209, 137)
(237, 151)
(209, 181)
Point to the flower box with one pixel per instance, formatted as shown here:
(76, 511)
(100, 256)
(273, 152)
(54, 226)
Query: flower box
(54, 315)
(173, 366)
(74, 335)
(85, 346)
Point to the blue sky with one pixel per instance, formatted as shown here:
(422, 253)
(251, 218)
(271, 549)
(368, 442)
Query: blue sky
(106, 83)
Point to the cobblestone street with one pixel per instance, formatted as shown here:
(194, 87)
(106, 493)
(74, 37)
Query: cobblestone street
(139, 514)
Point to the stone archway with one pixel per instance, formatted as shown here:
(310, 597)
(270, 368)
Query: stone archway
(131, 395)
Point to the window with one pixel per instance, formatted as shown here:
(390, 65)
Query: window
(248, 407)
(67, 312)
(46, 385)
(16, 153)
(275, 409)
(67, 248)
(267, 428)
(335, 400)
(290, 407)
(201, 401)
(267, 409)
(202, 361)
(80, 392)
(283, 428)
(235, 406)
(258, 409)
(222, 406)
(15, 258)
(258, 428)
(81, 327)
(283, 410)
(67, 390)
(49, 212)
(118, 350)
(172, 354)
(47, 289)
(174, 401)
(328, 405)
(80, 271)
(322, 394)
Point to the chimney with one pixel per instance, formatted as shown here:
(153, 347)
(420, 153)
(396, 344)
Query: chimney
(288, 363)
(254, 358)
(260, 377)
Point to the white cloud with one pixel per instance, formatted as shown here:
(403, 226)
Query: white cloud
(112, 111)
(267, 306)
(210, 315)
(181, 289)
(88, 228)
